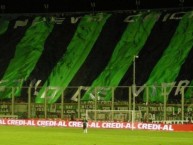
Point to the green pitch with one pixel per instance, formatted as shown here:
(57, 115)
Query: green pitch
(15, 135)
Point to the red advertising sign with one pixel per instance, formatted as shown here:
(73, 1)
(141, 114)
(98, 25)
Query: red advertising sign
(91, 124)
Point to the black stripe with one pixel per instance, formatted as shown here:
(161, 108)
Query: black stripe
(9, 41)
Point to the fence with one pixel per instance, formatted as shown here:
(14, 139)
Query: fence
(173, 107)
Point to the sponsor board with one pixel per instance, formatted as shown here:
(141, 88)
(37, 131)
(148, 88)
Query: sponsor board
(91, 124)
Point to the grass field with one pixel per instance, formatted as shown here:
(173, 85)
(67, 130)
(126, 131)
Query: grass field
(25, 135)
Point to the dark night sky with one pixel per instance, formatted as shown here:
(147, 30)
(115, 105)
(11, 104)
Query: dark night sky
(51, 6)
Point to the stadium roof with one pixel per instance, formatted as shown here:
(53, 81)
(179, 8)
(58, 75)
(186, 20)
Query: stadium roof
(52, 6)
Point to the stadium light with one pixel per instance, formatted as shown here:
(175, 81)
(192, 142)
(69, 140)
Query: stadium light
(134, 83)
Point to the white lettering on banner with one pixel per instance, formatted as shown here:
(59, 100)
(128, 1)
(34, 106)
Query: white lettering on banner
(74, 20)
(148, 126)
(16, 122)
(131, 18)
(125, 125)
(62, 123)
(166, 17)
(137, 92)
(94, 125)
(104, 125)
(128, 19)
(30, 123)
(173, 16)
(74, 124)
(2, 122)
(181, 85)
(59, 20)
(167, 127)
(177, 15)
(20, 23)
(21, 122)
(129, 125)
(112, 125)
(46, 123)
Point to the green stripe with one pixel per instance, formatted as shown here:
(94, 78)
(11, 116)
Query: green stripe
(168, 67)
(87, 33)
(3, 25)
(27, 54)
(130, 44)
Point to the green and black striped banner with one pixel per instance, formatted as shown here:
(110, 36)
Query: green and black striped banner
(96, 51)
